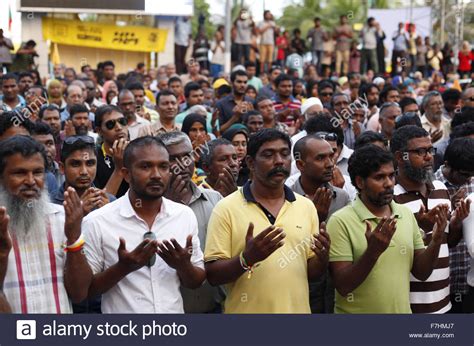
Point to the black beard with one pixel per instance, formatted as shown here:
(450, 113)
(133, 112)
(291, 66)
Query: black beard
(420, 175)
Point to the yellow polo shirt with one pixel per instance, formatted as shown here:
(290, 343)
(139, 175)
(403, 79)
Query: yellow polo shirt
(280, 283)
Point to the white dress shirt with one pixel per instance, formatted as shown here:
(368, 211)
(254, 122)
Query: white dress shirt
(468, 233)
(146, 290)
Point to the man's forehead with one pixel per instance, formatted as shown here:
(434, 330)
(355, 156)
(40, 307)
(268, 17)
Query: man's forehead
(386, 168)
(180, 149)
(18, 159)
(420, 141)
(278, 144)
(82, 154)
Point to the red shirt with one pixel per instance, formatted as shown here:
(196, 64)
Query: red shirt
(281, 40)
(465, 61)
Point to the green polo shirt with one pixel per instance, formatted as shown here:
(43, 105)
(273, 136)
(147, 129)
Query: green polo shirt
(387, 288)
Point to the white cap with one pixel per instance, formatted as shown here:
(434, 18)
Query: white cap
(378, 80)
(238, 68)
(312, 101)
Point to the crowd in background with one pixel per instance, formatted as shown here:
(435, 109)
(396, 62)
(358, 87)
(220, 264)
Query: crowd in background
(285, 187)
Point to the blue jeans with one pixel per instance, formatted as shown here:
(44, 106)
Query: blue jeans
(216, 69)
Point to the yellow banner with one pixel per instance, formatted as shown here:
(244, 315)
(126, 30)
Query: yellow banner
(129, 38)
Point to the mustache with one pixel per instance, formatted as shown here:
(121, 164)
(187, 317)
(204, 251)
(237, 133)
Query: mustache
(278, 170)
(154, 183)
(388, 191)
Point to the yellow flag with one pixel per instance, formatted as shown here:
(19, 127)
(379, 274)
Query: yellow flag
(55, 59)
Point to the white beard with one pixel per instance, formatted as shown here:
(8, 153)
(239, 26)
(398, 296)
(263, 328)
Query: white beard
(26, 216)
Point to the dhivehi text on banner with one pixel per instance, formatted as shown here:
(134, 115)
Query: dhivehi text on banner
(128, 38)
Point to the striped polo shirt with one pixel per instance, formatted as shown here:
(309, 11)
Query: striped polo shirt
(431, 295)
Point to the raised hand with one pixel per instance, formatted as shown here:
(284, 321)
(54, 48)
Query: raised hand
(461, 212)
(226, 183)
(174, 254)
(322, 201)
(436, 135)
(117, 150)
(426, 220)
(69, 129)
(263, 245)
(139, 257)
(441, 221)
(338, 178)
(321, 243)
(74, 213)
(379, 239)
(5, 239)
(177, 189)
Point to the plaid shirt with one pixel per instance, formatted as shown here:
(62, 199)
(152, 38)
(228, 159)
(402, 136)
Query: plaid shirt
(34, 282)
(459, 256)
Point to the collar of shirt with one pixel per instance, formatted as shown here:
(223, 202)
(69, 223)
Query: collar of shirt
(346, 153)
(298, 188)
(429, 187)
(197, 194)
(289, 195)
(444, 122)
(127, 211)
(365, 214)
(293, 99)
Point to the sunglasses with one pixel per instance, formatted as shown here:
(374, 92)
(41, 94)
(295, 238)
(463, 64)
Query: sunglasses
(326, 136)
(73, 139)
(326, 94)
(110, 124)
(151, 236)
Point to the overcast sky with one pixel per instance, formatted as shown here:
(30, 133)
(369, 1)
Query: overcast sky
(255, 6)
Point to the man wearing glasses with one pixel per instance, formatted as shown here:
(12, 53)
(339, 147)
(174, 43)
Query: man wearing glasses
(428, 199)
(112, 126)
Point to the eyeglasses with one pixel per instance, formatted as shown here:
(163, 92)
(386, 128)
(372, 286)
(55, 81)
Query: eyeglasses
(110, 124)
(332, 137)
(151, 236)
(73, 139)
(326, 94)
(423, 151)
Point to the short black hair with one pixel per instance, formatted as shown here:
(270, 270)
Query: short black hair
(234, 75)
(370, 137)
(77, 109)
(246, 116)
(39, 128)
(322, 123)
(282, 78)
(206, 156)
(408, 118)
(325, 84)
(367, 160)
(25, 74)
(460, 154)
(128, 155)
(402, 135)
(102, 111)
(263, 136)
(108, 63)
(9, 76)
(250, 64)
(23, 145)
(463, 130)
(165, 92)
(191, 86)
(464, 116)
(406, 101)
(68, 149)
(366, 87)
(12, 118)
(50, 107)
(174, 79)
(134, 86)
(384, 93)
(451, 94)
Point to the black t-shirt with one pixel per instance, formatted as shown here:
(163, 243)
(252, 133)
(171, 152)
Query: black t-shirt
(105, 168)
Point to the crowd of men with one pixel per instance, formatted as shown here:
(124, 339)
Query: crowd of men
(154, 192)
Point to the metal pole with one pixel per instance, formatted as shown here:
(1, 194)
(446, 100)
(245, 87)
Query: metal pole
(228, 27)
(456, 33)
(443, 18)
(411, 11)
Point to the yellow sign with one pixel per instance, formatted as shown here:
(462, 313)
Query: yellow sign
(129, 38)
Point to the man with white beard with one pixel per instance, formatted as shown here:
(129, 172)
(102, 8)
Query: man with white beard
(433, 120)
(39, 242)
(428, 199)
